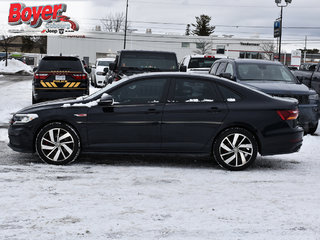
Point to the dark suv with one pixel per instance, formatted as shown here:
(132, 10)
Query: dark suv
(275, 79)
(129, 62)
(59, 77)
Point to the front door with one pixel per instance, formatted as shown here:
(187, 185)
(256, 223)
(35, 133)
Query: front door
(132, 123)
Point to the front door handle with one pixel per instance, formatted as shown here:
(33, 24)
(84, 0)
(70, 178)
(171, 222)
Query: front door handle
(152, 110)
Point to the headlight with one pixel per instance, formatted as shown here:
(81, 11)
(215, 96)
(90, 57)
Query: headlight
(314, 97)
(23, 118)
(100, 73)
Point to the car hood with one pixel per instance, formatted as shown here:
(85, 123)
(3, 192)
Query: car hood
(279, 88)
(51, 105)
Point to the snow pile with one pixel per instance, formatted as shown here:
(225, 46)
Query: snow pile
(89, 104)
(15, 67)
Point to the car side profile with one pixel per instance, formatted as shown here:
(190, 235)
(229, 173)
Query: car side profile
(162, 113)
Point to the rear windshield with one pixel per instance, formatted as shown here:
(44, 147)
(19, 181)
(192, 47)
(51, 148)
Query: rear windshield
(264, 72)
(60, 64)
(201, 62)
(148, 61)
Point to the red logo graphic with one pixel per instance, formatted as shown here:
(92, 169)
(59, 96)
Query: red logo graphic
(34, 16)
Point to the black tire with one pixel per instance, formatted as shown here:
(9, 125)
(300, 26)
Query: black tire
(313, 128)
(235, 149)
(54, 150)
(34, 101)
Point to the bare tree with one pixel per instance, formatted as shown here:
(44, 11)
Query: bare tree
(269, 49)
(113, 22)
(5, 42)
(203, 47)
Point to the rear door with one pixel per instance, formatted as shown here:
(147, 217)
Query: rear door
(192, 115)
(315, 83)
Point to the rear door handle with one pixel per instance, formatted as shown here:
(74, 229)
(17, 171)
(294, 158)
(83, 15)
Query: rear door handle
(152, 110)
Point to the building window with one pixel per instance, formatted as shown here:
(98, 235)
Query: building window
(220, 49)
(250, 55)
(185, 44)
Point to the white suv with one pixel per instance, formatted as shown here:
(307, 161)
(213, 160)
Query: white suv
(198, 63)
(97, 74)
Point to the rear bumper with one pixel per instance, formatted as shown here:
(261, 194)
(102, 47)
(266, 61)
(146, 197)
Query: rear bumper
(45, 94)
(282, 142)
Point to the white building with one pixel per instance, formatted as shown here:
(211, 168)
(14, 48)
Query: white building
(101, 44)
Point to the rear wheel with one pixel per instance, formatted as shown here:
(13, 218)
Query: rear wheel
(58, 143)
(235, 149)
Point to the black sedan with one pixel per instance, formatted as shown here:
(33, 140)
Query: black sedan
(166, 113)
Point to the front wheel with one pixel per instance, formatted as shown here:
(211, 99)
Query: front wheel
(313, 128)
(57, 143)
(235, 149)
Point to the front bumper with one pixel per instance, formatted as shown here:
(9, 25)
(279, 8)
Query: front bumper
(21, 138)
(100, 80)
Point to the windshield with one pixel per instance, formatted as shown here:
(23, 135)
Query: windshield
(104, 63)
(201, 62)
(264, 72)
(148, 61)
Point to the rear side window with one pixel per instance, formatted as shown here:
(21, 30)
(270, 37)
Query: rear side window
(227, 93)
(60, 64)
(190, 90)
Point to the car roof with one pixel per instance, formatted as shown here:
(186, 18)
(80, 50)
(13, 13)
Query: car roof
(146, 51)
(60, 58)
(256, 61)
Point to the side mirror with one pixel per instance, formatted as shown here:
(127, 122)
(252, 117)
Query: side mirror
(105, 71)
(35, 69)
(226, 75)
(112, 66)
(106, 100)
(183, 68)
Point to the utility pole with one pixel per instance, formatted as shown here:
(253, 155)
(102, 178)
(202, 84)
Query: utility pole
(125, 27)
(305, 50)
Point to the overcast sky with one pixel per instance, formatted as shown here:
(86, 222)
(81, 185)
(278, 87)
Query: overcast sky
(241, 18)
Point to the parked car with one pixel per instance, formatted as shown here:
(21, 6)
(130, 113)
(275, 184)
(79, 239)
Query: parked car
(129, 62)
(97, 74)
(59, 77)
(198, 63)
(167, 113)
(275, 79)
(310, 76)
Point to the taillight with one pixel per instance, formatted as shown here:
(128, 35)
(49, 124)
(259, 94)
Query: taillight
(80, 76)
(288, 114)
(40, 76)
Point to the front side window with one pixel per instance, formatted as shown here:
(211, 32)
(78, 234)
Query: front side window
(229, 69)
(144, 91)
(190, 90)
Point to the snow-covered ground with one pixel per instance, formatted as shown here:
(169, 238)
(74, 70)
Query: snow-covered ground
(14, 67)
(154, 198)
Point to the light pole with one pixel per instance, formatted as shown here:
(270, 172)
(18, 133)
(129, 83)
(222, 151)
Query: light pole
(125, 27)
(278, 2)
